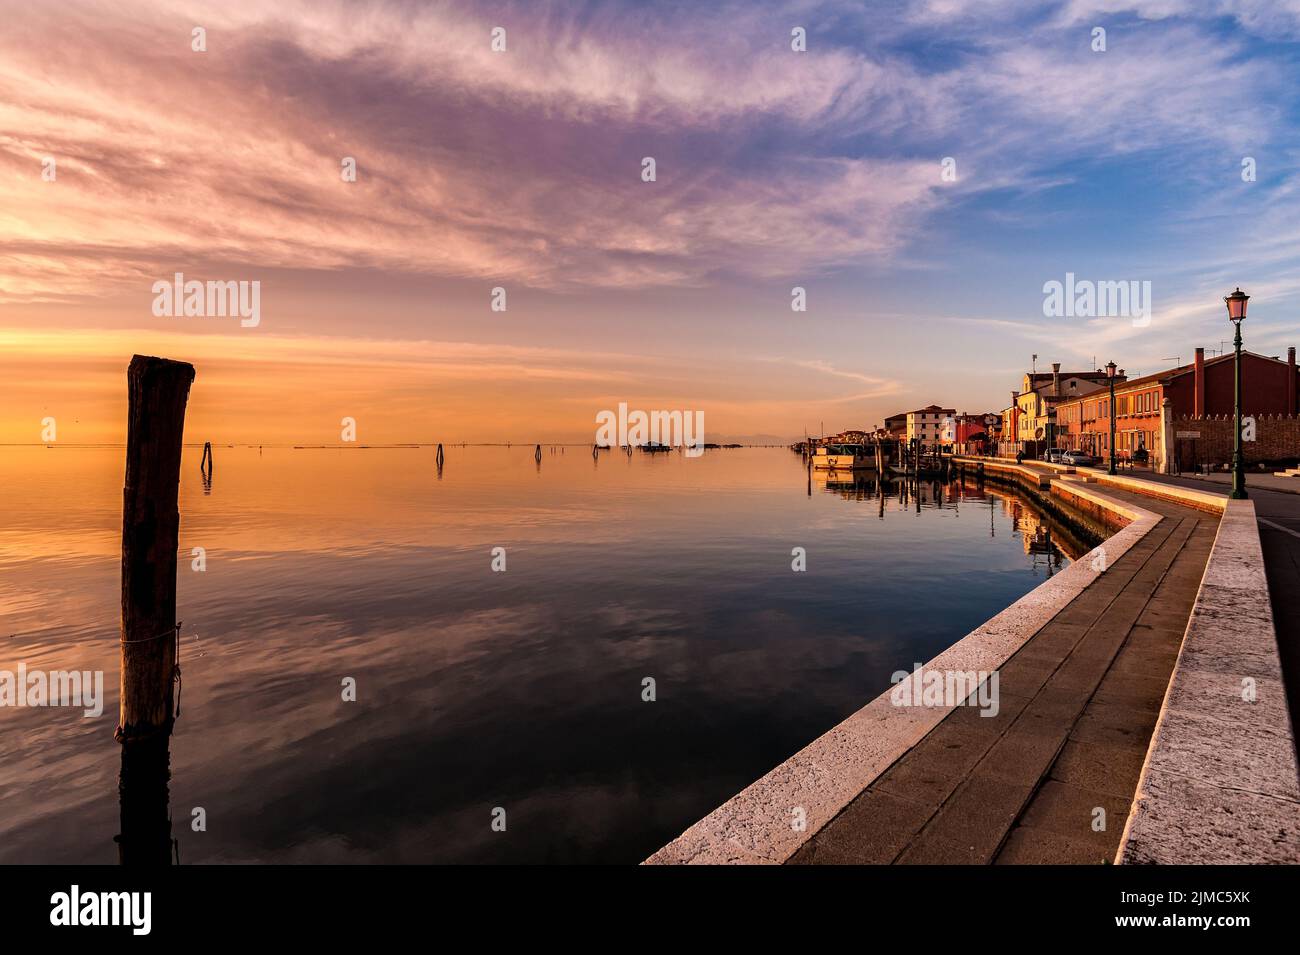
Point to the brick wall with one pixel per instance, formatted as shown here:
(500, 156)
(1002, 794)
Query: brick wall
(1277, 440)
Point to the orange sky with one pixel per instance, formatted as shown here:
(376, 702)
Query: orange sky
(295, 390)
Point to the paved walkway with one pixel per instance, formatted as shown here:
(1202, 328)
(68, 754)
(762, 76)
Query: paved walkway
(1254, 481)
(1078, 704)
(1277, 508)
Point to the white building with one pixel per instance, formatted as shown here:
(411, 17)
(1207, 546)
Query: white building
(932, 425)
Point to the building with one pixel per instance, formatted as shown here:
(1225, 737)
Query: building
(975, 433)
(851, 436)
(1029, 424)
(975, 427)
(1200, 390)
(1040, 396)
(931, 425)
(896, 425)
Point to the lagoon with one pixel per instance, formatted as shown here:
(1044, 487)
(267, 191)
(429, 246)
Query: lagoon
(479, 690)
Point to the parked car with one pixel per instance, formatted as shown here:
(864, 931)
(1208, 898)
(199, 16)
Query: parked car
(1053, 455)
(1078, 459)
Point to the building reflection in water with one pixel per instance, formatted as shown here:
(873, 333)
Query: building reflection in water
(1050, 540)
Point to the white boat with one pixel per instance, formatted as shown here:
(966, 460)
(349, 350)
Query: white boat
(844, 457)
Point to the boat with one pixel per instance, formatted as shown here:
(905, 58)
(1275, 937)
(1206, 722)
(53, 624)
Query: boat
(844, 457)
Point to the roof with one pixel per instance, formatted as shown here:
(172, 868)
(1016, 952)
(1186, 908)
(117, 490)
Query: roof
(1035, 376)
(1171, 373)
(1161, 377)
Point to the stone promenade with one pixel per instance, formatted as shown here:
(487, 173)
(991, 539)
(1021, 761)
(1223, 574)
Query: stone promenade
(1051, 777)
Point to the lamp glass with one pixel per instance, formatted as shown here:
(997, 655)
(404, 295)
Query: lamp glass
(1236, 303)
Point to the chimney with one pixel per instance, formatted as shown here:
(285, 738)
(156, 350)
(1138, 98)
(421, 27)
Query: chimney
(1290, 380)
(1198, 385)
(1056, 379)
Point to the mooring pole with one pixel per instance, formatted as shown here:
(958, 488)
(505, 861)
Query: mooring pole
(157, 390)
(144, 801)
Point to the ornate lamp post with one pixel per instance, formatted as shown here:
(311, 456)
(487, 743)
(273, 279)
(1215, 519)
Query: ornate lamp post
(1236, 303)
(1110, 374)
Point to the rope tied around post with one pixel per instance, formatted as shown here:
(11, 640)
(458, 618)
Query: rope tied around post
(176, 666)
(175, 628)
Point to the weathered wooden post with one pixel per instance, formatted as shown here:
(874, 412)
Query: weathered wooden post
(157, 391)
(144, 801)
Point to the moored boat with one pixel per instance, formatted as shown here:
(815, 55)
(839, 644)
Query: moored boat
(844, 457)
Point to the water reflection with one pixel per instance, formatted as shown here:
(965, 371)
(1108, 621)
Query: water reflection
(478, 689)
(145, 826)
(1050, 540)
(205, 466)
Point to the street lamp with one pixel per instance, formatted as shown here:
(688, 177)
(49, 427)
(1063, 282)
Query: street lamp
(1236, 303)
(1110, 374)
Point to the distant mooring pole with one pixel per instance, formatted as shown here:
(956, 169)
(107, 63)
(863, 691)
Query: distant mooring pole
(157, 391)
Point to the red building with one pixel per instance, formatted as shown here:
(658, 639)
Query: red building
(1199, 390)
(975, 427)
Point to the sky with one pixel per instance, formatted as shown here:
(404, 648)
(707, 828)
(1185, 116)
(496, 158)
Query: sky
(920, 169)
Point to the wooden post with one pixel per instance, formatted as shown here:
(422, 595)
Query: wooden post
(144, 802)
(157, 391)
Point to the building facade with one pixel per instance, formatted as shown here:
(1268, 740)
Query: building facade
(1202, 389)
(931, 425)
(896, 425)
(1030, 423)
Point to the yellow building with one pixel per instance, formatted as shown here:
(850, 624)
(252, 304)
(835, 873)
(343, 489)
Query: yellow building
(1033, 411)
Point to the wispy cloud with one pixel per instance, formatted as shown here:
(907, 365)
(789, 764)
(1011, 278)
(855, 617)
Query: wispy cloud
(524, 166)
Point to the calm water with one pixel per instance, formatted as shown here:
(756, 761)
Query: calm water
(477, 689)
